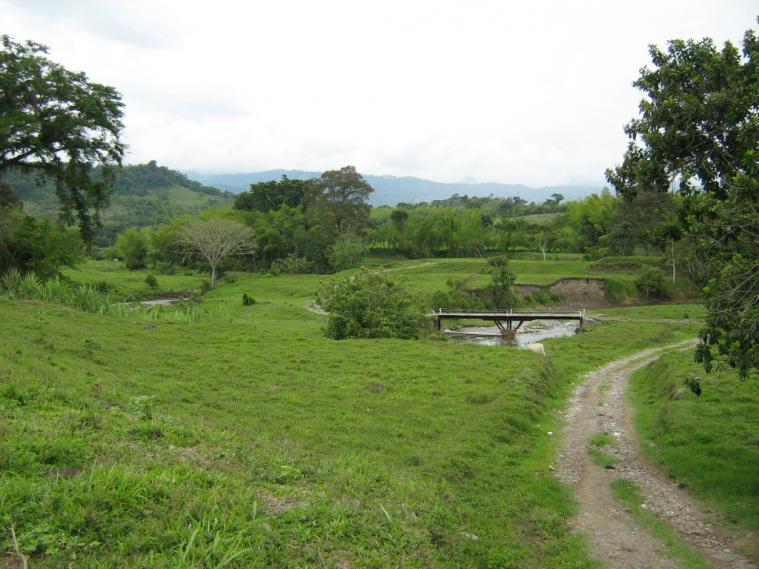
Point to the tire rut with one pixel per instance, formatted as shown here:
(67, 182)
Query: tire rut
(615, 537)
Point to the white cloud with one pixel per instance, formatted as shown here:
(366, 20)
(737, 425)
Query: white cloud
(493, 90)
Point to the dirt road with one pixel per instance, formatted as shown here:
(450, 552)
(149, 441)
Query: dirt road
(598, 406)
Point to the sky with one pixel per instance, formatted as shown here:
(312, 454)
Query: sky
(531, 92)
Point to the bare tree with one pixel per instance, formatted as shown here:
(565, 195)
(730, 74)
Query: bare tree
(216, 239)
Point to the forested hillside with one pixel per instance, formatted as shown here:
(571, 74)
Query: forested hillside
(143, 195)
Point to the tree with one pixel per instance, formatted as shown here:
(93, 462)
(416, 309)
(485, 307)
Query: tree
(216, 239)
(267, 196)
(31, 245)
(698, 133)
(58, 124)
(132, 246)
(502, 282)
(346, 252)
(342, 199)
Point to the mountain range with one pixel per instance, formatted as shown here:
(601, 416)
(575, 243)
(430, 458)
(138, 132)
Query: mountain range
(391, 190)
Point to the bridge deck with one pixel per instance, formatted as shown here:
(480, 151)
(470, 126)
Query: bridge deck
(508, 316)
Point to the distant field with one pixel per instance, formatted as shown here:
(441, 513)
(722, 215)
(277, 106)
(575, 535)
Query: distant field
(429, 275)
(423, 276)
(541, 218)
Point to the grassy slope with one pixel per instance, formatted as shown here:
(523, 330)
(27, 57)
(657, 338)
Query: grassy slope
(256, 436)
(708, 442)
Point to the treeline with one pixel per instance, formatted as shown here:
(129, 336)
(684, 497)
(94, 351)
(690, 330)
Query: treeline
(141, 179)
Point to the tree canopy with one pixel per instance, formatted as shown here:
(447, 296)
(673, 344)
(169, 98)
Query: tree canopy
(57, 123)
(698, 131)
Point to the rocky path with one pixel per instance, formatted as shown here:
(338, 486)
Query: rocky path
(598, 406)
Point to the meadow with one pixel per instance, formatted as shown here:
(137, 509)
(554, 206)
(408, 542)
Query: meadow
(248, 439)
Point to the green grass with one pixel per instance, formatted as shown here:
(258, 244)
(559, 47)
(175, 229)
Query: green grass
(429, 275)
(602, 459)
(250, 438)
(627, 493)
(603, 440)
(542, 219)
(695, 312)
(131, 284)
(711, 442)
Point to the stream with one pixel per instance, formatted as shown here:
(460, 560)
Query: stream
(529, 333)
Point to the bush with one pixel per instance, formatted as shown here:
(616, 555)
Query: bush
(292, 265)
(132, 246)
(151, 281)
(247, 300)
(652, 284)
(346, 253)
(501, 286)
(369, 305)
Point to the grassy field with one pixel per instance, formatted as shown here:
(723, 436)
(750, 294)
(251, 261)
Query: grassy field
(131, 284)
(248, 439)
(423, 276)
(709, 442)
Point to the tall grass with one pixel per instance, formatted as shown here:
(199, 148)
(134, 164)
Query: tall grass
(87, 298)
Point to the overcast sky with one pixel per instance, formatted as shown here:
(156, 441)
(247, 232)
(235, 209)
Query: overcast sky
(533, 92)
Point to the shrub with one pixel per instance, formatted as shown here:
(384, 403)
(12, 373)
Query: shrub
(501, 285)
(247, 300)
(369, 305)
(292, 265)
(151, 281)
(652, 284)
(132, 245)
(347, 252)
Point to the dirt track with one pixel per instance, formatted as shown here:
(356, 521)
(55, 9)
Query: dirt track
(598, 406)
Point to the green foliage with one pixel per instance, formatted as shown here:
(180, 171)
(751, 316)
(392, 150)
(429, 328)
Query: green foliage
(699, 131)
(292, 265)
(144, 195)
(151, 281)
(341, 201)
(132, 246)
(268, 196)
(652, 284)
(370, 305)
(38, 246)
(82, 297)
(57, 123)
(732, 325)
(502, 280)
(347, 252)
(248, 300)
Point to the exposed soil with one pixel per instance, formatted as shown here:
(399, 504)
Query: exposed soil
(598, 406)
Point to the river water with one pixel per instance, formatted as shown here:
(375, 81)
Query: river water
(529, 333)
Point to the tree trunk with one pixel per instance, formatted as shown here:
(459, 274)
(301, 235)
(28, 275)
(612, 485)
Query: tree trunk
(213, 275)
(674, 272)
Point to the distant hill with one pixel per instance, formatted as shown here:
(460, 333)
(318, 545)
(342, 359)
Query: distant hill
(144, 195)
(391, 190)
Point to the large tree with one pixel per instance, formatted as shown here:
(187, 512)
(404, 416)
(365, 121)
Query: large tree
(698, 134)
(60, 125)
(342, 200)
